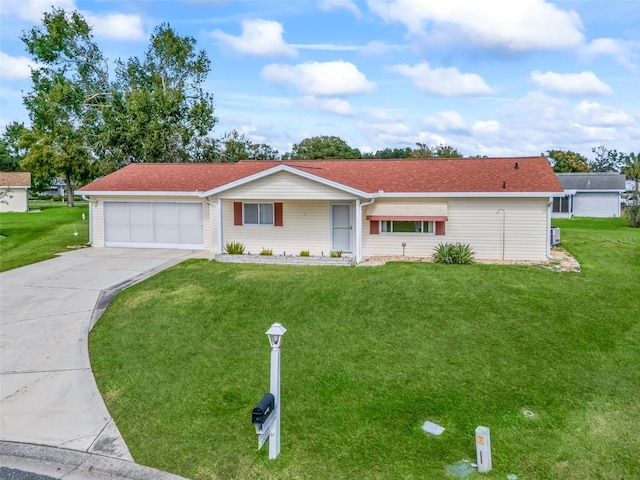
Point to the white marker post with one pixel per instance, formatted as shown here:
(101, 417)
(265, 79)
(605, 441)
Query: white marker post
(275, 334)
(483, 449)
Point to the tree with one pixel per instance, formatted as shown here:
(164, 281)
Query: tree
(235, 146)
(606, 160)
(10, 153)
(423, 150)
(631, 169)
(70, 86)
(564, 161)
(389, 153)
(160, 111)
(322, 147)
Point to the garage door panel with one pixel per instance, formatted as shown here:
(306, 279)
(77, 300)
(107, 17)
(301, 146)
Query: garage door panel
(154, 224)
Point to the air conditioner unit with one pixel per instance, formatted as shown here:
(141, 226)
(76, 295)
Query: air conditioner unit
(555, 236)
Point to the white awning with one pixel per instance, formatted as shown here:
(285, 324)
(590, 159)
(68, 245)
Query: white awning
(436, 211)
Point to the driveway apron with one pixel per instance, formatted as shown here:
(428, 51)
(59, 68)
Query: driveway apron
(48, 395)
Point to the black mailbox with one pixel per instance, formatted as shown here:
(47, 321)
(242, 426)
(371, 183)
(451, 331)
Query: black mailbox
(263, 409)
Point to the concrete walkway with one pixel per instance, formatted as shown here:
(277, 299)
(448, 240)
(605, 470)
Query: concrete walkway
(48, 395)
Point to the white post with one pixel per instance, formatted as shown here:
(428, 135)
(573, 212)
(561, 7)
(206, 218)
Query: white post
(274, 440)
(483, 449)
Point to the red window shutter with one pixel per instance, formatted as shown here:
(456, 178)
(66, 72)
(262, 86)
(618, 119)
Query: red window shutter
(237, 213)
(277, 214)
(440, 228)
(374, 227)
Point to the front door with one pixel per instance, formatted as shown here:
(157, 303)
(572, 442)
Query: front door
(341, 227)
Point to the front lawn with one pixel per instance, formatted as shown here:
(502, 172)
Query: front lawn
(48, 228)
(373, 352)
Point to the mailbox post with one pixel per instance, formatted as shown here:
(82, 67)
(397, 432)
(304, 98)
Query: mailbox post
(275, 334)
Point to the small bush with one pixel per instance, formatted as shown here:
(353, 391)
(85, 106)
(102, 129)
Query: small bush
(632, 213)
(304, 253)
(56, 198)
(267, 252)
(336, 254)
(458, 253)
(234, 248)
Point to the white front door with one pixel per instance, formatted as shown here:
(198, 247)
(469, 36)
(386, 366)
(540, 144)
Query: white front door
(341, 227)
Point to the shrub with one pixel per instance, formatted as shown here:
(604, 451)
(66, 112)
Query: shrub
(632, 213)
(458, 253)
(304, 253)
(56, 198)
(266, 251)
(234, 248)
(336, 254)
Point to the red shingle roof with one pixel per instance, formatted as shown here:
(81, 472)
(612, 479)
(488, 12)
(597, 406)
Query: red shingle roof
(15, 179)
(500, 175)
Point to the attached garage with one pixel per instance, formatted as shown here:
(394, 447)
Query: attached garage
(154, 225)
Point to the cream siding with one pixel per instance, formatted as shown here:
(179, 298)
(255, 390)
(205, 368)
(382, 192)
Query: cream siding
(286, 186)
(97, 222)
(306, 226)
(13, 200)
(475, 221)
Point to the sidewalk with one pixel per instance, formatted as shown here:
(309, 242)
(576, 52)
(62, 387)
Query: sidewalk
(48, 395)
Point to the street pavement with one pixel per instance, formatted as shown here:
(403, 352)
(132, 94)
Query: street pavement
(48, 395)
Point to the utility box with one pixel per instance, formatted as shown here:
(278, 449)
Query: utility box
(483, 449)
(555, 236)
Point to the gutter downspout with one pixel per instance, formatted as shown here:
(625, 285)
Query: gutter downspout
(90, 219)
(548, 236)
(359, 227)
(219, 226)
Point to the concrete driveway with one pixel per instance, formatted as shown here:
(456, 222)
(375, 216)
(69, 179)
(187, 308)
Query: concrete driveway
(48, 395)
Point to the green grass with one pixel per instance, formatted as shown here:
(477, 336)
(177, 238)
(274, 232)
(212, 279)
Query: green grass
(371, 353)
(34, 236)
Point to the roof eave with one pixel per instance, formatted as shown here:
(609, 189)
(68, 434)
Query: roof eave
(137, 193)
(466, 194)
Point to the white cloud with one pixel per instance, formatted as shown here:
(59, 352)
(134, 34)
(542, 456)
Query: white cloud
(485, 126)
(447, 82)
(117, 26)
(32, 10)
(329, 47)
(448, 120)
(521, 25)
(340, 4)
(333, 105)
(259, 37)
(594, 114)
(320, 78)
(571, 83)
(15, 68)
(622, 51)
(376, 47)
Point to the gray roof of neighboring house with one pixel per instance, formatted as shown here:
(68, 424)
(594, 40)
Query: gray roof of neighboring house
(592, 181)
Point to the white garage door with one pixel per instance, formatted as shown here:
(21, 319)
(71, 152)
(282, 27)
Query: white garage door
(153, 225)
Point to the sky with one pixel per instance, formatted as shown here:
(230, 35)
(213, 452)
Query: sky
(490, 77)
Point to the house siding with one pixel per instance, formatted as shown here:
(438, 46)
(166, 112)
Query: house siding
(306, 226)
(14, 200)
(596, 204)
(286, 186)
(475, 221)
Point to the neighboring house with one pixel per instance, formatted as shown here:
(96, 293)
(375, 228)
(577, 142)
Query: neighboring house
(589, 195)
(364, 208)
(13, 191)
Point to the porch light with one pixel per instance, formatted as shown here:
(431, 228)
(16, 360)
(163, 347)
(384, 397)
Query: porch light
(275, 334)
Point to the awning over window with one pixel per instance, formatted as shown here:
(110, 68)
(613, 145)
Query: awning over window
(410, 211)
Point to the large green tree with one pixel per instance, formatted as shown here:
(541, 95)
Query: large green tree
(160, 111)
(10, 153)
(424, 150)
(389, 153)
(631, 169)
(565, 161)
(235, 146)
(606, 160)
(322, 147)
(69, 88)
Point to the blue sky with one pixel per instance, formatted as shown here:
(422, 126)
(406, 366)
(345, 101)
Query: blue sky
(491, 77)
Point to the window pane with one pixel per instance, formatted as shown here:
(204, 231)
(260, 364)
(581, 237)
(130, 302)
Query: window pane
(266, 214)
(386, 226)
(406, 227)
(428, 227)
(557, 204)
(251, 213)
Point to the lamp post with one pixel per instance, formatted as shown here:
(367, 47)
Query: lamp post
(275, 334)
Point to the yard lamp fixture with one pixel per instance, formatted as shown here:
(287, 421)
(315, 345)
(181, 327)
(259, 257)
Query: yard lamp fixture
(275, 333)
